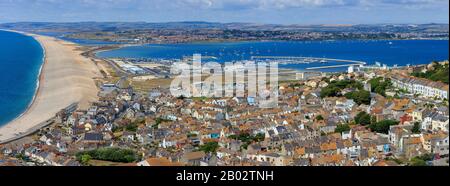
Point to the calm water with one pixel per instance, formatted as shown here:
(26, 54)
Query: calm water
(396, 52)
(20, 60)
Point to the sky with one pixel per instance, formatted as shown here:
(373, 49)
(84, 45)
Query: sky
(226, 11)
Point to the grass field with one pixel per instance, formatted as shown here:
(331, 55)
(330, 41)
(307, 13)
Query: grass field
(145, 86)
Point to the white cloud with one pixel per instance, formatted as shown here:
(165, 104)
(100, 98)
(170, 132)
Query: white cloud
(224, 10)
(267, 4)
(282, 4)
(230, 4)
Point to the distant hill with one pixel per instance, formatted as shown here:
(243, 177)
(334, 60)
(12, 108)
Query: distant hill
(120, 26)
(198, 31)
(107, 26)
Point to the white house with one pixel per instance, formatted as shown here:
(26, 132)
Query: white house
(424, 87)
(436, 122)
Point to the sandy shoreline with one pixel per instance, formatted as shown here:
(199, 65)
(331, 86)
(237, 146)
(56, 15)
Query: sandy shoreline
(66, 77)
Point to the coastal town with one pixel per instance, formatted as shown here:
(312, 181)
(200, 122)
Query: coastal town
(369, 117)
(188, 32)
(224, 92)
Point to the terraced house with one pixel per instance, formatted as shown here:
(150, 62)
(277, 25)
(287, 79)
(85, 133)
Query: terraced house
(424, 87)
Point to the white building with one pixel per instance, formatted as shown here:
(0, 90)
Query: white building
(351, 69)
(436, 122)
(426, 88)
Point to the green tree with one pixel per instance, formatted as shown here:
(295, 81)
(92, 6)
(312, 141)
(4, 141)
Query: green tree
(383, 126)
(319, 118)
(418, 162)
(110, 154)
(259, 137)
(335, 87)
(360, 97)
(342, 128)
(363, 118)
(330, 91)
(416, 128)
(379, 85)
(85, 158)
(209, 147)
(421, 160)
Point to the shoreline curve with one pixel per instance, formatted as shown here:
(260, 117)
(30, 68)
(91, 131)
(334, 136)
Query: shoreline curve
(65, 77)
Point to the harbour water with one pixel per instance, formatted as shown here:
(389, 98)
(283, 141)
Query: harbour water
(21, 58)
(386, 52)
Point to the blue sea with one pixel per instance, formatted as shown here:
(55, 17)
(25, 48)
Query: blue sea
(21, 58)
(386, 52)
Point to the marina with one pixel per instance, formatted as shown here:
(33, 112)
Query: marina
(285, 60)
(330, 56)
